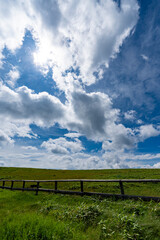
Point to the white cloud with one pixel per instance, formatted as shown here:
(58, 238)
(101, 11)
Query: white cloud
(130, 115)
(13, 127)
(89, 114)
(147, 131)
(143, 156)
(63, 154)
(5, 139)
(86, 33)
(134, 80)
(98, 120)
(92, 112)
(145, 57)
(62, 146)
(70, 35)
(58, 160)
(22, 107)
(13, 76)
(23, 104)
(72, 135)
(156, 165)
(29, 148)
(12, 28)
(139, 121)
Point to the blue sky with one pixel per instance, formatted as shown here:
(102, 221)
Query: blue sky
(79, 84)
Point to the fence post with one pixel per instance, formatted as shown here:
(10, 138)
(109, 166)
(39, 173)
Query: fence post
(55, 185)
(37, 188)
(121, 187)
(23, 186)
(12, 185)
(81, 186)
(3, 184)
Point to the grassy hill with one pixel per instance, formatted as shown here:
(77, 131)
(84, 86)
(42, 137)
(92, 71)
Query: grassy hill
(62, 217)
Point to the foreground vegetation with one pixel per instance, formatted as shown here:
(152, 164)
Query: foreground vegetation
(61, 217)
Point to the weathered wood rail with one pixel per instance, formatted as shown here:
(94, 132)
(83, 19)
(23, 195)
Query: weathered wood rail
(36, 187)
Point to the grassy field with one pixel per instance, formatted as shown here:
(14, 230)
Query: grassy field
(146, 189)
(62, 217)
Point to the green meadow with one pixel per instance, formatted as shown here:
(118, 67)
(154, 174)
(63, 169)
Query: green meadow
(27, 216)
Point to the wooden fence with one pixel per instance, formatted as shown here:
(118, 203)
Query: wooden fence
(36, 187)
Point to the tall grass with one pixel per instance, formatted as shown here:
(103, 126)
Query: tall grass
(54, 216)
(33, 226)
(25, 216)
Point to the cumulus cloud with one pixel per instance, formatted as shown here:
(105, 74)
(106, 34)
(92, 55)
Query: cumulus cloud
(69, 155)
(130, 115)
(13, 76)
(86, 40)
(92, 112)
(147, 131)
(86, 33)
(156, 165)
(5, 139)
(29, 148)
(133, 78)
(48, 12)
(35, 158)
(77, 39)
(13, 26)
(98, 120)
(63, 146)
(89, 114)
(42, 108)
(21, 107)
(13, 127)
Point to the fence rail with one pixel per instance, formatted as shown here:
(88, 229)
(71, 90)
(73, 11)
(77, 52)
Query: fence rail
(36, 187)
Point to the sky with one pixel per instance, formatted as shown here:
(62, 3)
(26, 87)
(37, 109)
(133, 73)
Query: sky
(80, 84)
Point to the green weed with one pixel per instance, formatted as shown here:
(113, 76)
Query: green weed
(64, 217)
(131, 230)
(34, 227)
